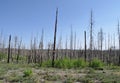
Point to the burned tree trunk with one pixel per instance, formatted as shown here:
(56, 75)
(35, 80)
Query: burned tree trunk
(91, 35)
(19, 46)
(34, 51)
(85, 46)
(75, 45)
(41, 45)
(119, 43)
(8, 60)
(54, 39)
(71, 44)
(100, 35)
(15, 45)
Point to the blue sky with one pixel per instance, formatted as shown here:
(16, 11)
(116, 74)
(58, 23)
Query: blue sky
(26, 18)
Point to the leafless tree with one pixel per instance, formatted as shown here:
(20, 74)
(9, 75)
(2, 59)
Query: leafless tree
(75, 44)
(30, 54)
(15, 44)
(19, 48)
(108, 57)
(91, 34)
(119, 41)
(66, 47)
(85, 45)
(41, 47)
(101, 42)
(8, 59)
(71, 43)
(35, 51)
(55, 32)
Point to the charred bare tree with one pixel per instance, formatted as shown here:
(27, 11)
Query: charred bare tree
(105, 43)
(91, 35)
(119, 42)
(30, 56)
(48, 51)
(71, 44)
(114, 59)
(85, 46)
(8, 59)
(19, 48)
(34, 51)
(41, 45)
(55, 31)
(109, 50)
(66, 48)
(101, 42)
(15, 45)
(75, 44)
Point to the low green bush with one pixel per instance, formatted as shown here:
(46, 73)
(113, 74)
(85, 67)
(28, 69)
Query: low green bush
(47, 63)
(2, 56)
(27, 72)
(80, 63)
(64, 63)
(96, 63)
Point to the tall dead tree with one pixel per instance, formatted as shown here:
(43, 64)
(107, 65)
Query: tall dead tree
(66, 47)
(119, 41)
(101, 42)
(91, 34)
(41, 46)
(105, 43)
(19, 48)
(8, 59)
(30, 54)
(85, 46)
(75, 41)
(48, 51)
(15, 44)
(71, 43)
(35, 50)
(109, 50)
(75, 44)
(55, 31)
(114, 47)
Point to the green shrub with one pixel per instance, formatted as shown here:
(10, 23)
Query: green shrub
(2, 56)
(64, 63)
(79, 63)
(27, 72)
(47, 63)
(96, 63)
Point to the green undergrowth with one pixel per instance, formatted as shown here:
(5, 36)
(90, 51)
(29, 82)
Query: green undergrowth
(66, 63)
(74, 63)
(96, 64)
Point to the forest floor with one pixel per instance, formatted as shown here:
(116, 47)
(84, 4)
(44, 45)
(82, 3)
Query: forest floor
(31, 73)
